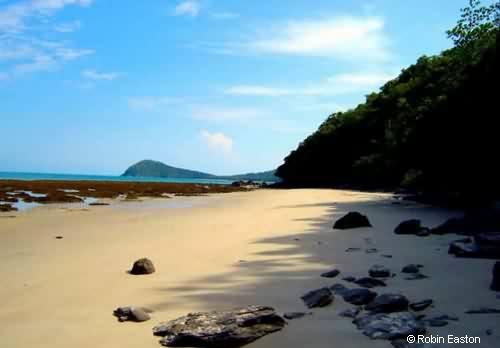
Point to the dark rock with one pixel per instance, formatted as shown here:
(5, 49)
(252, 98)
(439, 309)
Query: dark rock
(454, 225)
(331, 274)
(131, 314)
(142, 266)
(387, 256)
(368, 282)
(435, 322)
(474, 250)
(388, 303)
(339, 289)
(483, 310)
(7, 207)
(226, 329)
(350, 313)
(359, 297)
(97, 204)
(350, 250)
(352, 220)
(389, 325)
(59, 237)
(489, 332)
(444, 317)
(371, 251)
(421, 305)
(495, 282)
(409, 227)
(295, 315)
(318, 298)
(416, 276)
(410, 269)
(379, 271)
(349, 279)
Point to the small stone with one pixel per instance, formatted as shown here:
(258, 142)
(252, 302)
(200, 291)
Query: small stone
(142, 266)
(331, 274)
(371, 251)
(59, 237)
(338, 289)
(369, 283)
(349, 279)
(295, 315)
(489, 332)
(411, 268)
(416, 276)
(495, 282)
(350, 313)
(379, 271)
(408, 227)
(483, 310)
(131, 314)
(421, 305)
(387, 256)
(318, 298)
(389, 325)
(350, 250)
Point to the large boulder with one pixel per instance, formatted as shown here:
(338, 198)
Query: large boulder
(389, 325)
(142, 266)
(359, 297)
(224, 329)
(318, 298)
(388, 303)
(495, 282)
(352, 220)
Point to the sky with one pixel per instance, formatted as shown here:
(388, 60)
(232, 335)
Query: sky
(221, 86)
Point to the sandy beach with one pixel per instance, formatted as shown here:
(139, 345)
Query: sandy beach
(264, 247)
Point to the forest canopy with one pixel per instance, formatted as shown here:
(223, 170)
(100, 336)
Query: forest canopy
(433, 128)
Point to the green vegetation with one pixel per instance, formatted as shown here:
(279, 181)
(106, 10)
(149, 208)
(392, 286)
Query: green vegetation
(149, 168)
(431, 129)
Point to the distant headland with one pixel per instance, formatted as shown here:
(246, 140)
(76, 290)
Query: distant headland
(150, 168)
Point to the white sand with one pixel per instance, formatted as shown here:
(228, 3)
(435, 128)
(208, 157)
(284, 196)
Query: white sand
(61, 293)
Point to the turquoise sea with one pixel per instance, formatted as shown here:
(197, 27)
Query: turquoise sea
(77, 177)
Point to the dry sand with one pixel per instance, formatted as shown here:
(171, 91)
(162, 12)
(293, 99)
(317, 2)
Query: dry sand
(264, 247)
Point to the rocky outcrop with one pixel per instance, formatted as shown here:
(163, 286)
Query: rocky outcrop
(352, 220)
(142, 266)
(224, 329)
(358, 297)
(389, 325)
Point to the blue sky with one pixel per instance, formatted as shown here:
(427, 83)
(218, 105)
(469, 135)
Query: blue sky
(223, 86)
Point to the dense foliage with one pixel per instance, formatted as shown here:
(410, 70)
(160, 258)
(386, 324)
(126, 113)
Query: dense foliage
(433, 128)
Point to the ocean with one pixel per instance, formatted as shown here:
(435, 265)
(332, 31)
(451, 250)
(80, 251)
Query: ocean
(77, 177)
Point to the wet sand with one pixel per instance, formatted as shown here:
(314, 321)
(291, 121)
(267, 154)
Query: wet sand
(265, 247)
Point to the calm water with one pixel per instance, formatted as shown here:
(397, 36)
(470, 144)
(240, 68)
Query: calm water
(73, 177)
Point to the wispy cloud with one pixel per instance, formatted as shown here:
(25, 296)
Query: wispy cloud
(336, 85)
(189, 8)
(150, 103)
(100, 76)
(68, 27)
(217, 141)
(13, 17)
(23, 28)
(347, 38)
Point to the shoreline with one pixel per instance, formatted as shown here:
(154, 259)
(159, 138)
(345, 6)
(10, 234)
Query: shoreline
(264, 247)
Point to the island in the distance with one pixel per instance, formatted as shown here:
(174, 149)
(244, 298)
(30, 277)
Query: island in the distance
(156, 169)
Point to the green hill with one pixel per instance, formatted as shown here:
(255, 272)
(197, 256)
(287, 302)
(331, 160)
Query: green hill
(432, 129)
(149, 168)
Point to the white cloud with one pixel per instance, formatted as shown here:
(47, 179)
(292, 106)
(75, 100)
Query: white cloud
(344, 38)
(188, 8)
(23, 24)
(95, 75)
(13, 17)
(68, 27)
(149, 103)
(338, 84)
(217, 141)
(225, 15)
